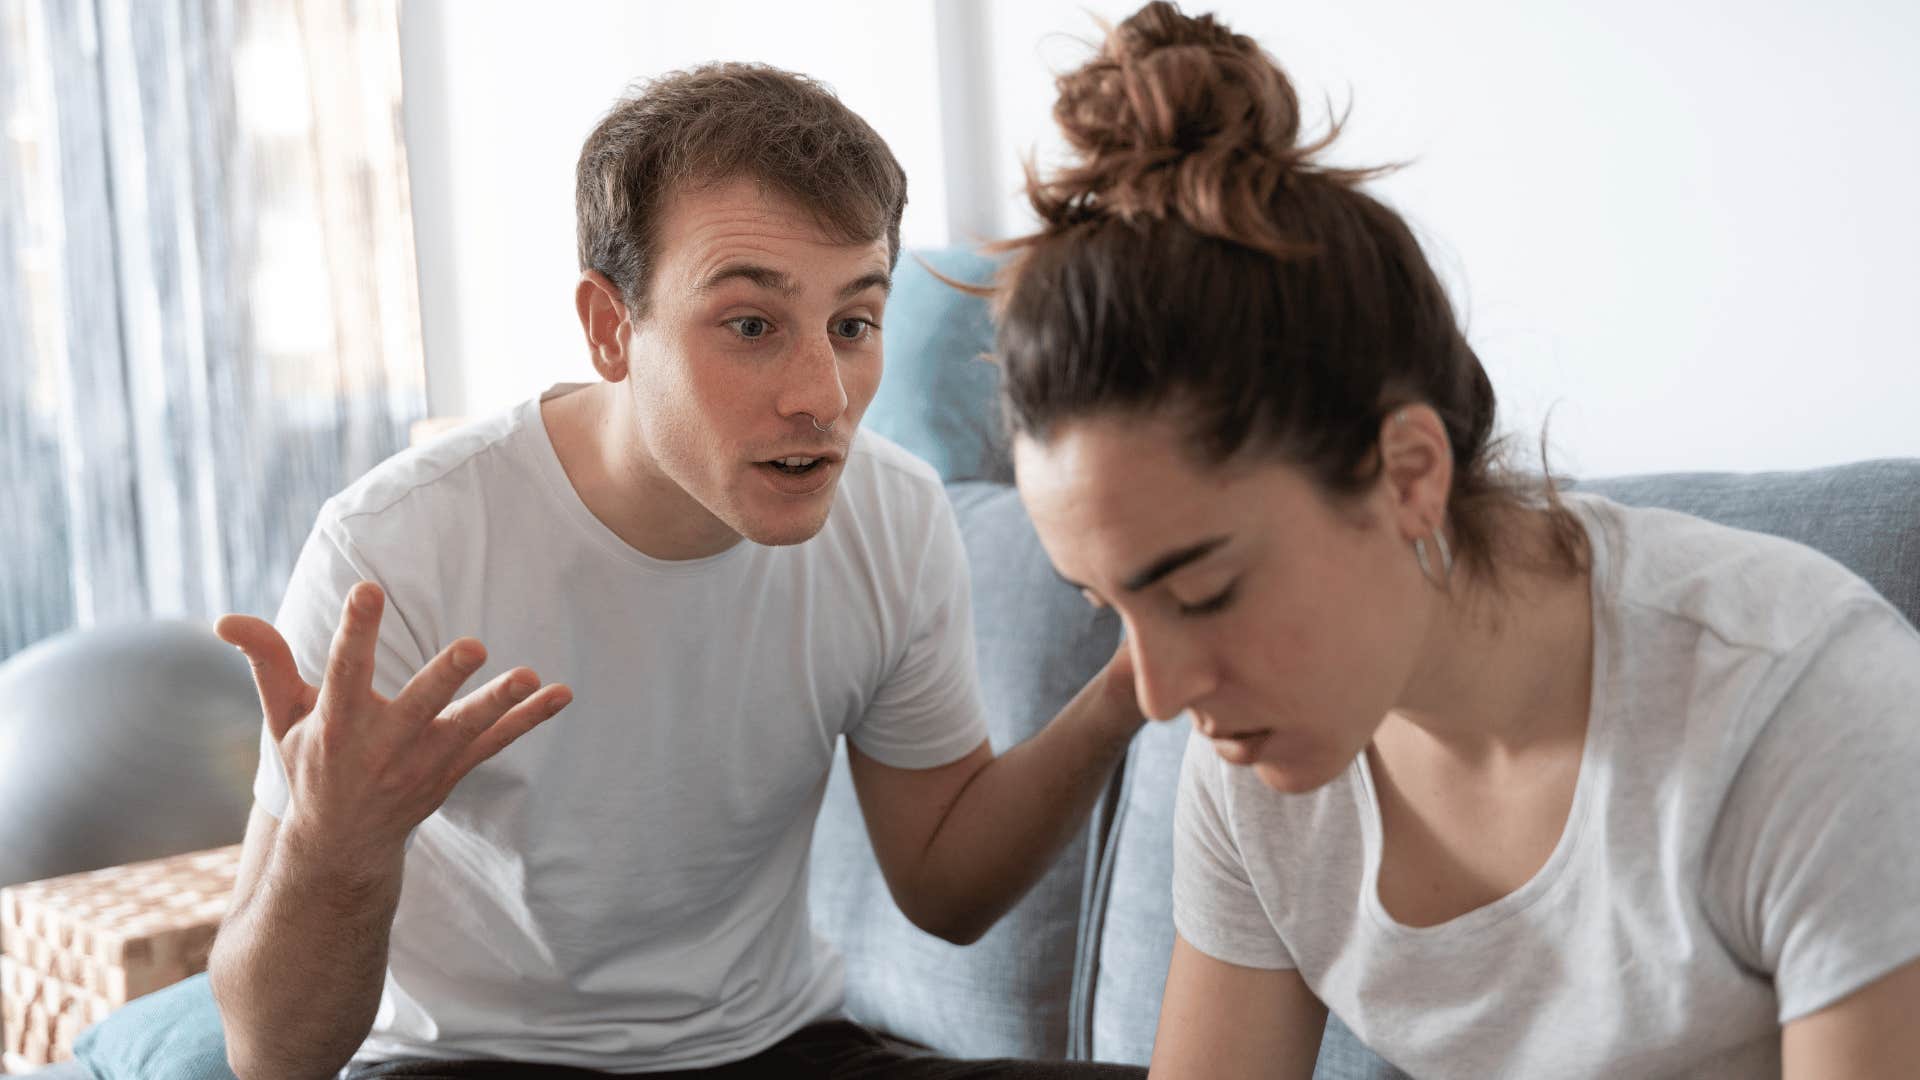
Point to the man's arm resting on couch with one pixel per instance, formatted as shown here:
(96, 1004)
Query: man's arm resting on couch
(960, 844)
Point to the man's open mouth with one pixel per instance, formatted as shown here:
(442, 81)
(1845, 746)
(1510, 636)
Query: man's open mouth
(795, 466)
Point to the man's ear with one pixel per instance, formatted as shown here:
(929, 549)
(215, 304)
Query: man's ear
(603, 316)
(1416, 459)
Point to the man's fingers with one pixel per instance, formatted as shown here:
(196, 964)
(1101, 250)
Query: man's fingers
(284, 696)
(432, 687)
(481, 709)
(535, 710)
(348, 684)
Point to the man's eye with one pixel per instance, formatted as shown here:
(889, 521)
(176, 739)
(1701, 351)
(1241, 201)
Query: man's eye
(751, 327)
(852, 329)
(1218, 602)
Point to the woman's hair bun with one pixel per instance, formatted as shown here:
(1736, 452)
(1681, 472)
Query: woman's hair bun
(1176, 117)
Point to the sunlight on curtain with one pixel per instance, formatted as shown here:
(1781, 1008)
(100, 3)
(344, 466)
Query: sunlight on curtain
(208, 312)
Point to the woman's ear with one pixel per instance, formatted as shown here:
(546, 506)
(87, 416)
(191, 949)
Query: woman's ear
(603, 316)
(1416, 460)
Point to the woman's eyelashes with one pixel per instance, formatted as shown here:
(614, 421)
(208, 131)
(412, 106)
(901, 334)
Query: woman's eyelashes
(1217, 602)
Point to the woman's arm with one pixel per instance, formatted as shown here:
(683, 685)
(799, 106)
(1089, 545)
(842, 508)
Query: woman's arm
(1872, 1032)
(1222, 1021)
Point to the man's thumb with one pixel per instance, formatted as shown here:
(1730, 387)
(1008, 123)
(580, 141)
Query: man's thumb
(283, 694)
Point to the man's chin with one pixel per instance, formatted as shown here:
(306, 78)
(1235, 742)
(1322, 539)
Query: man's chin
(785, 530)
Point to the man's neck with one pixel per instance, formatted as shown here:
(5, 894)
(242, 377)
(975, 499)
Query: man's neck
(597, 437)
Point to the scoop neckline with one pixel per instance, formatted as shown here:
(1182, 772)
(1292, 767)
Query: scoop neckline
(1554, 871)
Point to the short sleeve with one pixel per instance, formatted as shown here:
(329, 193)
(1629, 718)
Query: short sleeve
(328, 567)
(927, 711)
(1813, 874)
(1215, 907)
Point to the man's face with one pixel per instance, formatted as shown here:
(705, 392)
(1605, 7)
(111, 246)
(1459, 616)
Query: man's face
(761, 330)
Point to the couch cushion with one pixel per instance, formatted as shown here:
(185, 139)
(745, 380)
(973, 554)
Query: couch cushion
(1865, 515)
(939, 398)
(1038, 642)
(170, 1034)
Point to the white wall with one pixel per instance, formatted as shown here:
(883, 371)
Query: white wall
(499, 97)
(1686, 229)
(1691, 230)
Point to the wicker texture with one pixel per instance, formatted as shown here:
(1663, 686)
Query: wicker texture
(77, 947)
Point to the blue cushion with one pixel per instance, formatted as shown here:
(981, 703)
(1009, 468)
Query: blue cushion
(171, 1034)
(939, 398)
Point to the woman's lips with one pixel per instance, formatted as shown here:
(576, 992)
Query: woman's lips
(1243, 748)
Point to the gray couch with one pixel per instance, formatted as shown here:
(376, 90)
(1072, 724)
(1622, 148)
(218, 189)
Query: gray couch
(1076, 969)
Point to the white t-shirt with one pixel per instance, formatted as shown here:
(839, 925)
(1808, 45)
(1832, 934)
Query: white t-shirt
(1743, 847)
(624, 888)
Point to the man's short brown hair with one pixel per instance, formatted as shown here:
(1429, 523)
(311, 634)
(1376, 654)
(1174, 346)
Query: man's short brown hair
(719, 122)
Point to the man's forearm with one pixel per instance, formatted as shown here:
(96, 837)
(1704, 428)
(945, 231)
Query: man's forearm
(298, 969)
(1016, 814)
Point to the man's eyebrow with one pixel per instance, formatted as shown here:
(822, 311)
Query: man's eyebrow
(878, 279)
(1171, 561)
(762, 276)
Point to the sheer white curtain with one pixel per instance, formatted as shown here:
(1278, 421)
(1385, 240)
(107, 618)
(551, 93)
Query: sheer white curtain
(208, 313)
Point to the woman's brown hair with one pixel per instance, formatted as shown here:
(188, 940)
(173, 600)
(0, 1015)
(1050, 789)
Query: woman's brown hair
(1197, 256)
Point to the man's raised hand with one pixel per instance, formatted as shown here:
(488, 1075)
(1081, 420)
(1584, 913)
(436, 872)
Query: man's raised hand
(363, 770)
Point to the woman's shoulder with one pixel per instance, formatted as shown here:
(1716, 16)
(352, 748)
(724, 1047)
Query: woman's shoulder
(1750, 591)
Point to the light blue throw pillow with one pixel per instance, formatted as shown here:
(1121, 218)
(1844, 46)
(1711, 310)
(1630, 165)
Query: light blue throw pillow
(170, 1034)
(939, 397)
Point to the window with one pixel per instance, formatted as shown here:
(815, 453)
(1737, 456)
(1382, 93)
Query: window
(208, 313)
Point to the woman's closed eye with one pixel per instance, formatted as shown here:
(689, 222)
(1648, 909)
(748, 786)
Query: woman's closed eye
(1217, 602)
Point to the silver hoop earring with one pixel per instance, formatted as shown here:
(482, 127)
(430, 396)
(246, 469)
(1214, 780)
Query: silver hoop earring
(816, 423)
(1445, 579)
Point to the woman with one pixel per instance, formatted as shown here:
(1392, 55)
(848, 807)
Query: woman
(1516, 784)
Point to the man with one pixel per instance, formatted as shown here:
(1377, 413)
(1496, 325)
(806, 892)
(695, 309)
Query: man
(723, 577)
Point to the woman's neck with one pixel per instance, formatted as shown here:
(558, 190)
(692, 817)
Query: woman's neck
(1506, 667)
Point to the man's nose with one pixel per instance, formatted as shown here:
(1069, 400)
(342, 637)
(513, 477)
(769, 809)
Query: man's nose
(813, 382)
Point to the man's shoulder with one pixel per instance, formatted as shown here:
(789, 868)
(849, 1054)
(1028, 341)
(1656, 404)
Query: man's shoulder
(429, 480)
(891, 463)
(885, 480)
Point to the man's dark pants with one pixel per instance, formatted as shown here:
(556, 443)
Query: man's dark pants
(834, 1050)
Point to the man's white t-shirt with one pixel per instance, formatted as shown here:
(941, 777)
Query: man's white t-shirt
(624, 888)
(1743, 847)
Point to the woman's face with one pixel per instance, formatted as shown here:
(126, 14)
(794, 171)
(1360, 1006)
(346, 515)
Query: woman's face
(1287, 624)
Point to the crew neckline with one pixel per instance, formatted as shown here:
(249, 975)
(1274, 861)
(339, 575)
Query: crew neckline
(560, 490)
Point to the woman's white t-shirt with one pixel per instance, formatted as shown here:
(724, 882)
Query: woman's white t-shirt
(1743, 847)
